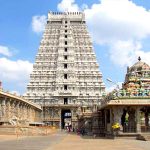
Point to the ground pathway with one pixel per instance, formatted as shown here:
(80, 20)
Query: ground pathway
(63, 141)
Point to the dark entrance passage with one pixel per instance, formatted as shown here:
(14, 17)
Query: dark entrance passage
(128, 120)
(65, 118)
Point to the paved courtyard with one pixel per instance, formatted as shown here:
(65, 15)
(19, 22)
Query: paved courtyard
(63, 141)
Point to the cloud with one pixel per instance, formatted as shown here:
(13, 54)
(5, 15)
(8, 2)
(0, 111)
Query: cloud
(144, 55)
(5, 51)
(38, 23)
(125, 53)
(16, 72)
(122, 25)
(118, 20)
(68, 5)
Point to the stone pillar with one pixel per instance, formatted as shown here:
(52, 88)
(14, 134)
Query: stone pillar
(20, 111)
(60, 122)
(17, 110)
(12, 109)
(105, 116)
(30, 114)
(3, 108)
(118, 111)
(0, 109)
(24, 113)
(8, 109)
(33, 114)
(27, 112)
(111, 119)
(73, 117)
(138, 124)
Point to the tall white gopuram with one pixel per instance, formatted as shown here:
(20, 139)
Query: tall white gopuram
(66, 79)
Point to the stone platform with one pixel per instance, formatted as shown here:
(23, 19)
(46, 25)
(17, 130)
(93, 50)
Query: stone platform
(25, 130)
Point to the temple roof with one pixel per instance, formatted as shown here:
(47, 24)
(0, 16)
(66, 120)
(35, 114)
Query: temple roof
(139, 66)
(135, 90)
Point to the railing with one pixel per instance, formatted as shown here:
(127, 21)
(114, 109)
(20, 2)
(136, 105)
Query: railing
(145, 128)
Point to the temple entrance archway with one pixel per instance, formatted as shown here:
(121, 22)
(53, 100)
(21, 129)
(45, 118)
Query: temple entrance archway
(66, 118)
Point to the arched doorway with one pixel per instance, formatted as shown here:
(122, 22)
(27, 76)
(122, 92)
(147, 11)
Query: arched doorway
(66, 118)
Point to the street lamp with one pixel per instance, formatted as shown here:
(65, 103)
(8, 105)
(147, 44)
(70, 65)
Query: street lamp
(109, 80)
(117, 86)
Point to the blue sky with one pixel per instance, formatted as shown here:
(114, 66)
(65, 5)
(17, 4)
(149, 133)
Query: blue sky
(120, 31)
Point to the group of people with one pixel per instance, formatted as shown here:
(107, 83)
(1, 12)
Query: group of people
(80, 131)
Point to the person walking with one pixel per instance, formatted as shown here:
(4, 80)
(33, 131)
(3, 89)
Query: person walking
(82, 131)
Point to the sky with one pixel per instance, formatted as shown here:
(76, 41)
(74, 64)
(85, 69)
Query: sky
(120, 31)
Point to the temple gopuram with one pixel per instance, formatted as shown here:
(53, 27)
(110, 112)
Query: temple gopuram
(137, 80)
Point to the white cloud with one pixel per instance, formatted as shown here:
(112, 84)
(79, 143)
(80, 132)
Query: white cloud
(113, 20)
(15, 71)
(144, 55)
(126, 53)
(68, 5)
(5, 51)
(38, 23)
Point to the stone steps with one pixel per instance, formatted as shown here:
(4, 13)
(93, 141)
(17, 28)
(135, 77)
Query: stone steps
(131, 136)
(144, 137)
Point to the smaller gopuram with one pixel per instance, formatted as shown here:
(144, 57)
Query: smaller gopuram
(137, 80)
(127, 108)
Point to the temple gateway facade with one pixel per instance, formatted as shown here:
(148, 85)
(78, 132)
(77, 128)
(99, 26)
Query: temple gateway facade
(65, 80)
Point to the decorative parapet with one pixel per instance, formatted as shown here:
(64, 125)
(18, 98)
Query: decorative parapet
(123, 94)
(122, 97)
(57, 16)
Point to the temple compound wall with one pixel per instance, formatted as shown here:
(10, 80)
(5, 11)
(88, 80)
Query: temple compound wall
(15, 110)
